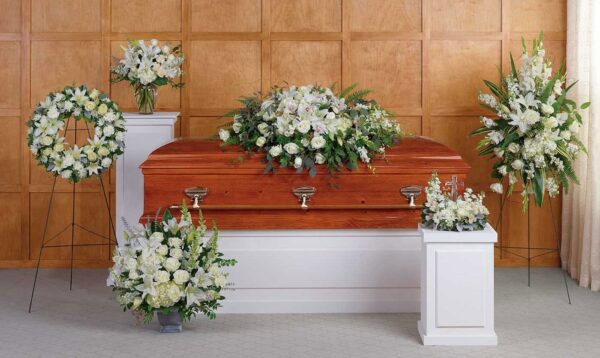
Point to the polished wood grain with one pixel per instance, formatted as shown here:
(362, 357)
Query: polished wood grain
(238, 188)
(391, 46)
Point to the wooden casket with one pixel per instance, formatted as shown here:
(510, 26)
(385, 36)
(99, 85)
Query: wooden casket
(229, 186)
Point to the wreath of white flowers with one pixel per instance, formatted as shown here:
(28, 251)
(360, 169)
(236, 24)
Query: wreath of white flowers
(71, 161)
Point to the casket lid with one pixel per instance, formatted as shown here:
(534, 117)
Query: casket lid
(195, 156)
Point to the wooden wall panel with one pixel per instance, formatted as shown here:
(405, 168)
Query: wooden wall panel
(424, 59)
(457, 70)
(10, 226)
(538, 15)
(466, 15)
(222, 71)
(146, 15)
(301, 62)
(65, 16)
(10, 74)
(55, 64)
(385, 15)
(392, 69)
(10, 16)
(226, 15)
(306, 15)
(10, 151)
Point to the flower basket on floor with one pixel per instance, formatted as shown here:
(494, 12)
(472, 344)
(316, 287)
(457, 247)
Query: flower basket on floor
(169, 268)
(147, 67)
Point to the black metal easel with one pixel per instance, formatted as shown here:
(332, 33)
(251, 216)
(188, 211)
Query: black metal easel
(45, 242)
(545, 250)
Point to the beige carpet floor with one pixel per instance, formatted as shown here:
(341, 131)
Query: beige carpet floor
(87, 322)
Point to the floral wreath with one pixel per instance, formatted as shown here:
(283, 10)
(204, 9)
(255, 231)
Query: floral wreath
(73, 162)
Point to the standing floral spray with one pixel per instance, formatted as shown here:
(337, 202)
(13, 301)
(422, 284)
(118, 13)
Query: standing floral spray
(168, 266)
(147, 67)
(440, 212)
(534, 137)
(305, 126)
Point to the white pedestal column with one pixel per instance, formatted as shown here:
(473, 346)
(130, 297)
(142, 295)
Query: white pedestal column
(457, 287)
(145, 133)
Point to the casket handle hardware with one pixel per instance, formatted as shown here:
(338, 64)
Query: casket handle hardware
(196, 195)
(410, 193)
(304, 193)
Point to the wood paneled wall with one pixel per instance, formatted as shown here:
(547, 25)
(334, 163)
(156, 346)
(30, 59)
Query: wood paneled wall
(424, 59)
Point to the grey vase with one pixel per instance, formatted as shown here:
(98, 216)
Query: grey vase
(169, 323)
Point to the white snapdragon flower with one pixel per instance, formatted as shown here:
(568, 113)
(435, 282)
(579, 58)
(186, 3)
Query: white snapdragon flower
(496, 188)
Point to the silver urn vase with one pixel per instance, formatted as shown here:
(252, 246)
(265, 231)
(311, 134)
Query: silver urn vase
(169, 323)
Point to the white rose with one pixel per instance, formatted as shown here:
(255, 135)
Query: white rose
(513, 148)
(330, 115)
(108, 131)
(550, 123)
(175, 242)
(297, 162)
(106, 162)
(159, 236)
(174, 293)
(547, 109)
(92, 157)
(566, 135)
(103, 151)
(531, 117)
(261, 141)
(237, 126)
(517, 164)
(263, 128)
(171, 264)
(319, 158)
(94, 94)
(176, 253)
(59, 147)
(162, 250)
(224, 135)
(317, 142)
(162, 276)
(496, 188)
(102, 109)
(305, 142)
(303, 126)
(275, 150)
(180, 277)
(291, 148)
(47, 140)
(89, 106)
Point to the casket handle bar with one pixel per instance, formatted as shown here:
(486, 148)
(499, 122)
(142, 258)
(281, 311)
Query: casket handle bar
(304, 193)
(410, 193)
(196, 195)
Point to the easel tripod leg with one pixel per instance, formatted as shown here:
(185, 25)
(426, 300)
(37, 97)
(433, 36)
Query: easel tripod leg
(37, 268)
(558, 249)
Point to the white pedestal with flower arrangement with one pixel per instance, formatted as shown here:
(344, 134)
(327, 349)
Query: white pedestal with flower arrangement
(145, 132)
(457, 287)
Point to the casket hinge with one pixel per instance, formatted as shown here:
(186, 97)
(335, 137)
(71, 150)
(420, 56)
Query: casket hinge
(196, 194)
(410, 193)
(304, 193)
